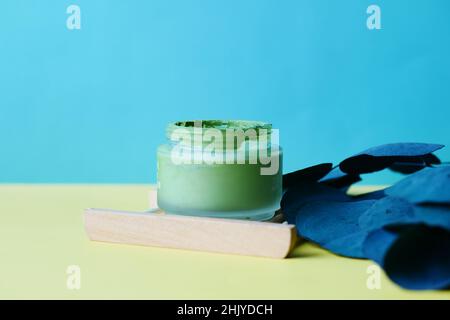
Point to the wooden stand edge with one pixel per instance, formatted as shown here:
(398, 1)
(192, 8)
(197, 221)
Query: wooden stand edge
(253, 238)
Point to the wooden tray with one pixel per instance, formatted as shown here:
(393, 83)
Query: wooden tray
(273, 239)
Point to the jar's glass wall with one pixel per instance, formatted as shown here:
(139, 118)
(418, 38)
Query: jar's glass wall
(225, 190)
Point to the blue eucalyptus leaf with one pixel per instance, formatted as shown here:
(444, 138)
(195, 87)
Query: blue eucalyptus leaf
(413, 256)
(414, 165)
(386, 211)
(334, 225)
(430, 185)
(378, 242)
(306, 192)
(349, 246)
(431, 215)
(310, 174)
(386, 225)
(338, 179)
(392, 211)
(384, 156)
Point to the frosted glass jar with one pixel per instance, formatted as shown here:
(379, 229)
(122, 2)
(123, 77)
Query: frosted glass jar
(192, 179)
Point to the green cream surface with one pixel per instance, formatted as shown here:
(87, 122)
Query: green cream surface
(218, 190)
(224, 124)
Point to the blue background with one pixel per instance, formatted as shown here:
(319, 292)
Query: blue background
(91, 105)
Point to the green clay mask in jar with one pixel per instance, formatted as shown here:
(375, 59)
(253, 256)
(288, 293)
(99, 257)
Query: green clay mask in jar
(222, 169)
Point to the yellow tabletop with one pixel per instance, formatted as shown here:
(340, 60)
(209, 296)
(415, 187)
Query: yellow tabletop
(42, 234)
